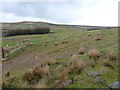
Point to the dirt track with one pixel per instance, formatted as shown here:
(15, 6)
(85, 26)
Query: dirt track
(30, 60)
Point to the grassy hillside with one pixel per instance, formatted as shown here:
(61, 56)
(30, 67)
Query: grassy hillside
(66, 57)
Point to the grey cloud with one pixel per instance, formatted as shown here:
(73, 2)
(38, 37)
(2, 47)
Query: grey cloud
(55, 11)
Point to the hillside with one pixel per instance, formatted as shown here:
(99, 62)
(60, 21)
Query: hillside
(72, 56)
(27, 24)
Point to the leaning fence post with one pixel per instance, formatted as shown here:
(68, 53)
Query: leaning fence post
(3, 53)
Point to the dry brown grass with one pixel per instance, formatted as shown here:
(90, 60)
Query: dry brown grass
(6, 49)
(56, 44)
(74, 57)
(62, 77)
(75, 64)
(46, 43)
(96, 38)
(7, 74)
(94, 54)
(17, 46)
(4, 85)
(88, 34)
(64, 41)
(82, 50)
(38, 72)
(44, 71)
(111, 56)
(107, 63)
(48, 61)
(63, 74)
(40, 85)
(98, 34)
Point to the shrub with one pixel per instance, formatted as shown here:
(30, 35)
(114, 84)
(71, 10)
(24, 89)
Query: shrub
(33, 77)
(93, 53)
(62, 78)
(82, 50)
(75, 65)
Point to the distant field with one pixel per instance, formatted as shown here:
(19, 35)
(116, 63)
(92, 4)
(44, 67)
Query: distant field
(60, 45)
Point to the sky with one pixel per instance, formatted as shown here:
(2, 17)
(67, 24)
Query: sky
(74, 12)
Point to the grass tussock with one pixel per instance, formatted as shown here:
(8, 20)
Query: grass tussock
(111, 56)
(7, 74)
(82, 50)
(46, 43)
(107, 63)
(40, 84)
(7, 49)
(38, 72)
(75, 64)
(62, 78)
(3, 85)
(10, 82)
(88, 34)
(94, 54)
(64, 41)
(56, 44)
(96, 38)
(47, 61)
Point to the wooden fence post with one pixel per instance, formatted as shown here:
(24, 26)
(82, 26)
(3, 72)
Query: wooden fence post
(3, 53)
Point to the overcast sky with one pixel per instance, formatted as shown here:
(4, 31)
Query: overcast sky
(82, 12)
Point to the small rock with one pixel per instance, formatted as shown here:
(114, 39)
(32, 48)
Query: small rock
(102, 71)
(23, 60)
(36, 57)
(97, 73)
(98, 80)
(114, 85)
(93, 74)
(68, 82)
(80, 81)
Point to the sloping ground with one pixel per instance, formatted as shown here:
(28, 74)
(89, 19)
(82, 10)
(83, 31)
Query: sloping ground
(51, 45)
